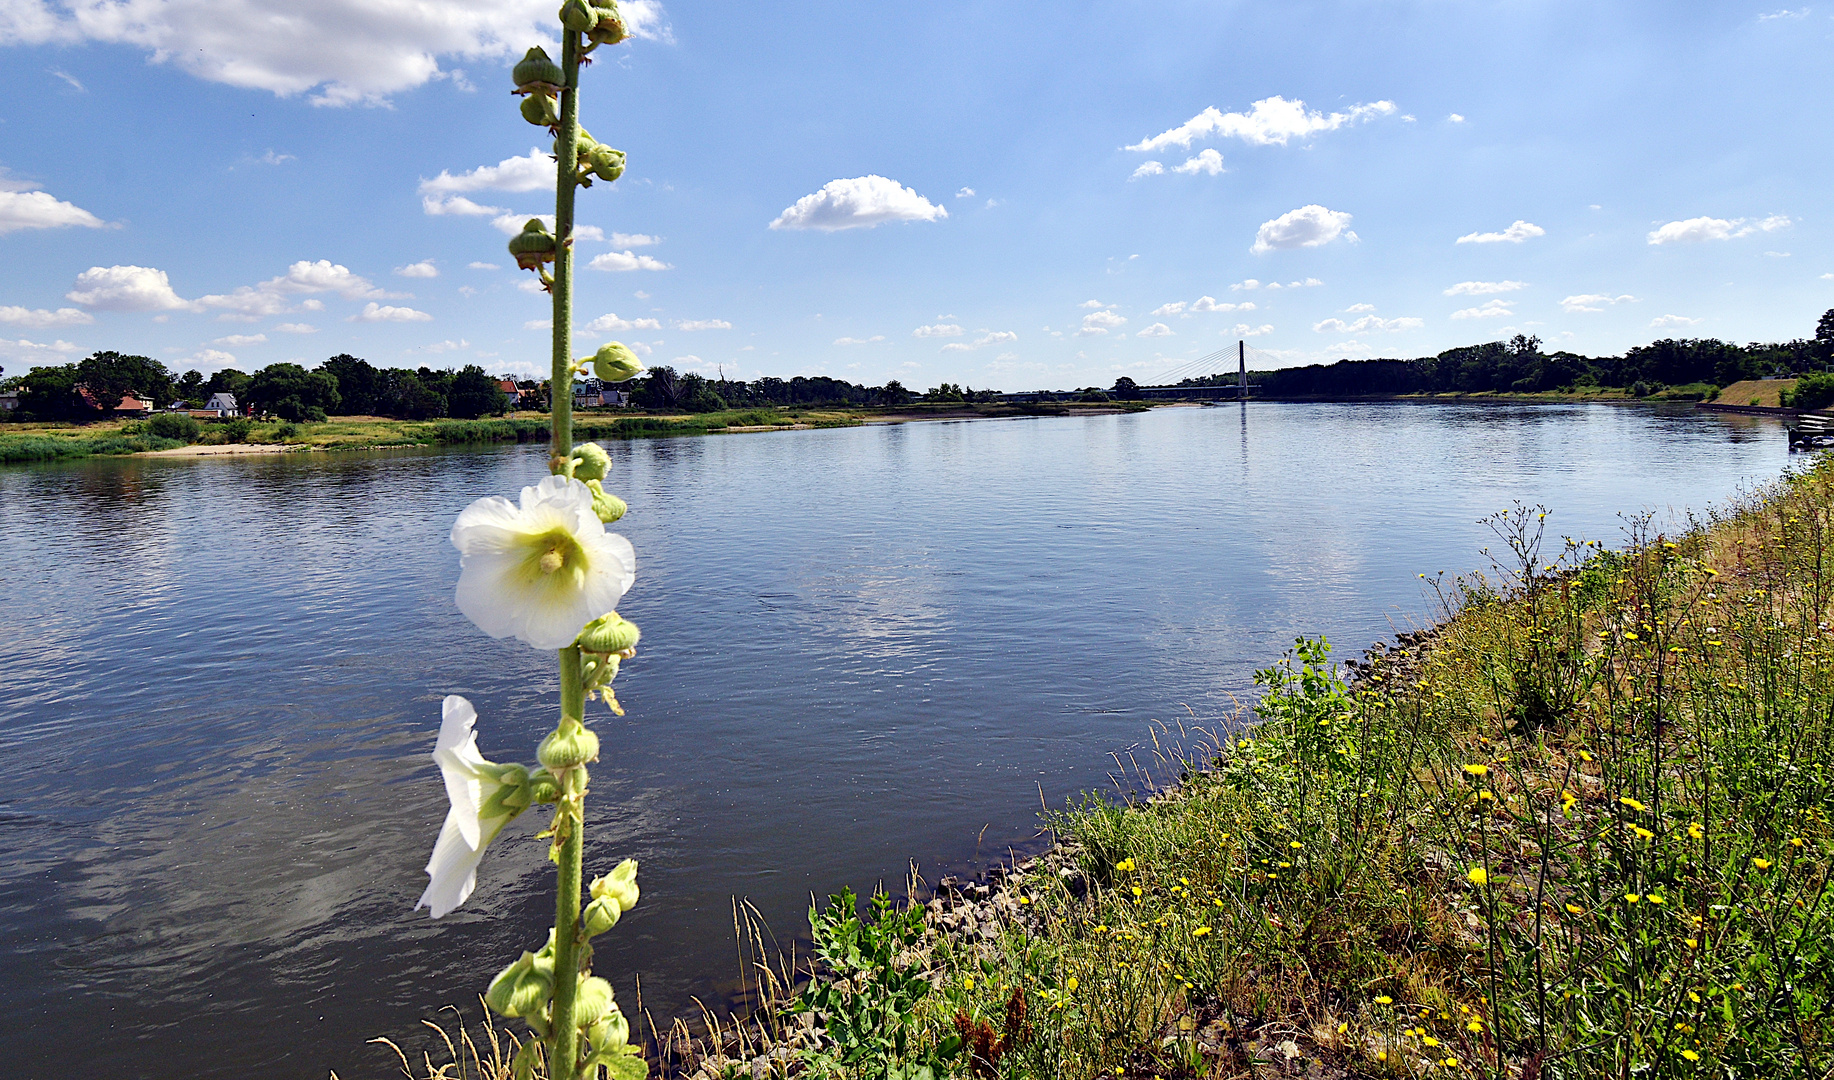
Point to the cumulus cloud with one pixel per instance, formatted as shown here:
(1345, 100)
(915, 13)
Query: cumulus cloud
(627, 260)
(533, 171)
(296, 328)
(1367, 323)
(1148, 168)
(236, 341)
(861, 202)
(1484, 288)
(610, 321)
(1272, 121)
(1091, 305)
(482, 266)
(41, 319)
(1517, 232)
(1209, 162)
(965, 193)
(995, 337)
(1244, 330)
(1455, 118)
(1694, 230)
(861, 341)
(373, 312)
(422, 269)
(458, 204)
(274, 296)
(632, 240)
(1662, 321)
(1201, 304)
(39, 209)
(126, 288)
(1492, 310)
(1593, 302)
(33, 351)
(211, 358)
(1100, 322)
(348, 53)
(1308, 226)
(702, 324)
(937, 330)
(1158, 329)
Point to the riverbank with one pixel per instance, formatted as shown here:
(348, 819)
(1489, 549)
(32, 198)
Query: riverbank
(1583, 825)
(29, 442)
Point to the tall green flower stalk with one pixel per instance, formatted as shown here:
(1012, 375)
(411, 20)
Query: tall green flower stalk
(547, 573)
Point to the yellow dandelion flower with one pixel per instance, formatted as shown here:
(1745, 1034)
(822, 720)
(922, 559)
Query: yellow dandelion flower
(1071, 985)
(1125, 866)
(1477, 876)
(1643, 833)
(1429, 1041)
(1477, 770)
(1761, 864)
(1575, 909)
(1690, 1055)
(1138, 892)
(1695, 832)
(1450, 1063)
(1385, 1000)
(1632, 897)
(1295, 845)
(1474, 1025)
(1693, 943)
(1200, 931)
(1631, 635)
(968, 983)
(1583, 756)
(1382, 1055)
(1797, 842)
(1632, 803)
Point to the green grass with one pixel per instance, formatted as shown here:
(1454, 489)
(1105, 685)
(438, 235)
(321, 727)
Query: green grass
(24, 448)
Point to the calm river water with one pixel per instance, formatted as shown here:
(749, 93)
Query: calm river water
(220, 680)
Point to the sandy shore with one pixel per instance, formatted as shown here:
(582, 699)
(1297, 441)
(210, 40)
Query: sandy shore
(228, 449)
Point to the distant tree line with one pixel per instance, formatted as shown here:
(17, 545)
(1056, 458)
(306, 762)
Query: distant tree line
(664, 388)
(343, 384)
(1520, 365)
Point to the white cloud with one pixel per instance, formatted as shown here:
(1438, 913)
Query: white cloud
(1484, 288)
(533, 171)
(1491, 310)
(422, 269)
(1209, 303)
(859, 341)
(296, 328)
(625, 260)
(531, 285)
(937, 330)
(1209, 162)
(271, 297)
(1661, 321)
(1176, 307)
(1455, 119)
(859, 202)
(1244, 330)
(458, 204)
(1593, 302)
(1354, 308)
(211, 358)
(633, 240)
(1091, 305)
(993, 338)
(41, 319)
(372, 312)
(40, 210)
(349, 53)
(1776, 254)
(1148, 168)
(1710, 228)
(447, 345)
(1158, 329)
(235, 341)
(610, 321)
(32, 351)
(1517, 232)
(702, 324)
(1100, 322)
(126, 288)
(1784, 13)
(271, 158)
(1367, 323)
(71, 79)
(965, 193)
(1308, 226)
(1251, 283)
(1268, 122)
(482, 266)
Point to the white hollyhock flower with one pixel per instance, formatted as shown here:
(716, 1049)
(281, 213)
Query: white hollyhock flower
(485, 796)
(542, 571)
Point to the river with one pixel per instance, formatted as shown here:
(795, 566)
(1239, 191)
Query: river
(220, 680)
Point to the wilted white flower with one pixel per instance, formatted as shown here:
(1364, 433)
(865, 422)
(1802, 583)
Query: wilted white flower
(540, 572)
(485, 796)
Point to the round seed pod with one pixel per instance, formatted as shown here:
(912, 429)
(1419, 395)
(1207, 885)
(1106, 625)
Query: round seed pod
(593, 1002)
(609, 634)
(610, 28)
(619, 885)
(568, 746)
(615, 363)
(607, 506)
(578, 16)
(606, 164)
(591, 462)
(538, 109)
(532, 246)
(537, 73)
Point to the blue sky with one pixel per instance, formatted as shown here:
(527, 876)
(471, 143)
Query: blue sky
(233, 183)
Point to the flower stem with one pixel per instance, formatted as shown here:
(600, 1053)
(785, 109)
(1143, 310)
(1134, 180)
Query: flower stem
(563, 1050)
(560, 404)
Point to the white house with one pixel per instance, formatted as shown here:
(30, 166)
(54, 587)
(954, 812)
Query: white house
(223, 404)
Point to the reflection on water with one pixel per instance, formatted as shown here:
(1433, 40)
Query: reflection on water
(219, 682)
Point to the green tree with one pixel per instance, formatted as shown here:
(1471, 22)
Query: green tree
(892, 393)
(190, 389)
(405, 397)
(229, 381)
(1824, 338)
(1125, 389)
(293, 393)
(474, 394)
(49, 393)
(110, 376)
(359, 384)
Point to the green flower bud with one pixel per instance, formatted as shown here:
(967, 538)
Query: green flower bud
(606, 164)
(615, 363)
(512, 798)
(607, 506)
(520, 989)
(590, 462)
(594, 1002)
(543, 788)
(532, 246)
(568, 746)
(610, 29)
(611, 1031)
(608, 634)
(537, 73)
(619, 885)
(601, 915)
(538, 109)
(579, 16)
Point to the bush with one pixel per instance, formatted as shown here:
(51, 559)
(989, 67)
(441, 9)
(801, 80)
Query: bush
(175, 426)
(285, 431)
(1811, 392)
(234, 431)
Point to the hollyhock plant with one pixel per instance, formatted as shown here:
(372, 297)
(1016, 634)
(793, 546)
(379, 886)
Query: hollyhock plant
(485, 797)
(541, 571)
